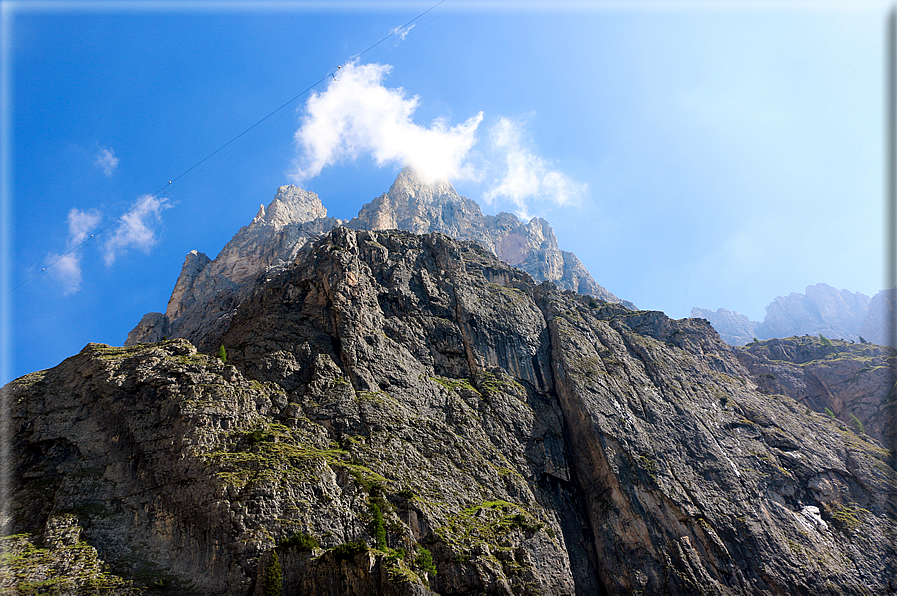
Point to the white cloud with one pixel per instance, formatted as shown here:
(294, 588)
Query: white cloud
(106, 161)
(402, 33)
(357, 115)
(82, 223)
(66, 268)
(134, 229)
(525, 177)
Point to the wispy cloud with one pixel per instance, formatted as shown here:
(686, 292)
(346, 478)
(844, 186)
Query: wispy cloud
(135, 228)
(66, 268)
(402, 32)
(106, 161)
(82, 223)
(357, 115)
(524, 176)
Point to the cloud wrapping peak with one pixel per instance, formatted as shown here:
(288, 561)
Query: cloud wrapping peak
(106, 161)
(66, 268)
(134, 230)
(526, 177)
(357, 115)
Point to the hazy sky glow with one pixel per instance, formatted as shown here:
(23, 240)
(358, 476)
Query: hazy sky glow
(691, 154)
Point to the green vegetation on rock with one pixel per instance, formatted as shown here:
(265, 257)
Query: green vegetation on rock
(847, 517)
(64, 568)
(424, 561)
(489, 523)
(300, 542)
(348, 550)
(273, 581)
(378, 526)
(857, 424)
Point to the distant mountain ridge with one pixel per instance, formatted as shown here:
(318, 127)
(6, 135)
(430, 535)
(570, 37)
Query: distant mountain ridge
(208, 290)
(822, 309)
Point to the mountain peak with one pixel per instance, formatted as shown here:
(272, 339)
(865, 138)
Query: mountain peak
(292, 205)
(410, 184)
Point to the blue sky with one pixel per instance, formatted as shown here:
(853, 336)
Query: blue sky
(710, 154)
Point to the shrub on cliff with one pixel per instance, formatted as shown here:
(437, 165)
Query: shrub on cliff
(300, 541)
(273, 576)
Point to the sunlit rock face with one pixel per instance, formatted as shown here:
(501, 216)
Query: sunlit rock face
(407, 414)
(415, 206)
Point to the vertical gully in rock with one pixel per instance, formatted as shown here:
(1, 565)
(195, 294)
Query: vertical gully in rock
(590, 575)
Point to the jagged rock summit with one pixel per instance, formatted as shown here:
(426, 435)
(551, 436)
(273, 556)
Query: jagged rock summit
(208, 291)
(405, 414)
(417, 207)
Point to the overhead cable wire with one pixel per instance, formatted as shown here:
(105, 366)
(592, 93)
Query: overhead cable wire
(163, 188)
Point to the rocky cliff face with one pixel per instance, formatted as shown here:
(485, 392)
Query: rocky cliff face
(822, 309)
(405, 414)
(852, 382)
(208, 291)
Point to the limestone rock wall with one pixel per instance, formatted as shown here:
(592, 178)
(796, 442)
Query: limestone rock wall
(414, 206)
(404, 414)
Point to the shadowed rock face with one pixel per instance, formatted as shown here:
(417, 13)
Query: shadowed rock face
(414, 392)
(208, 292)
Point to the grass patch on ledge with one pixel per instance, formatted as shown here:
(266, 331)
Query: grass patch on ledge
(455, 384)
(75, 568)
(277, 453)
(490, 523)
